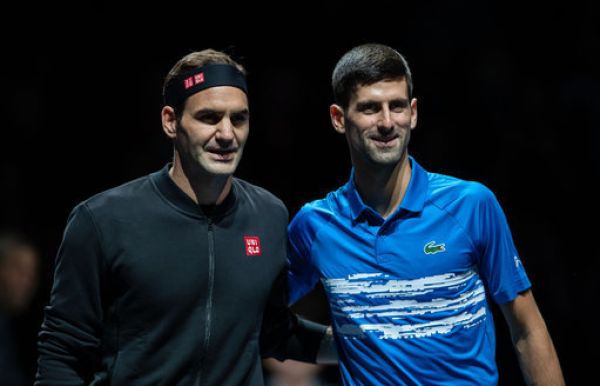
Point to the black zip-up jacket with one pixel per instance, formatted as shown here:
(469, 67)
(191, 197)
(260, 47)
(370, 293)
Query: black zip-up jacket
(150, 291)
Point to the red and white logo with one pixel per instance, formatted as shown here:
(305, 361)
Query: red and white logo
(252, 245)
(193, 80)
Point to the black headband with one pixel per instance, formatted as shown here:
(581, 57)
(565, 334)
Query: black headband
(211, 75)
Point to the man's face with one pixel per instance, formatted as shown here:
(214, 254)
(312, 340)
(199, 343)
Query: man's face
(378, 121)
(213, 130)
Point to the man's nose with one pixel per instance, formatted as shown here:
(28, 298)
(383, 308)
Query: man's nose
(385, 118)
(225, 130)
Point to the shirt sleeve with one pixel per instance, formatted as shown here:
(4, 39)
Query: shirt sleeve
(69, 340)
(302, 274)
(499, 263)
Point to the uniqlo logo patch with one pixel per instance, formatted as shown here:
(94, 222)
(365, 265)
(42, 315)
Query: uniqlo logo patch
(193, 80)
(188, 82)
(252, 245)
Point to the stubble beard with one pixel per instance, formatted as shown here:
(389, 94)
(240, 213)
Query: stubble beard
(387, 157)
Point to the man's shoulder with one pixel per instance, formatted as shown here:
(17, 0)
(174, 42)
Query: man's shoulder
(257, 195)
(319, 206)
(121, 195)
(445, 190)
(315, 213)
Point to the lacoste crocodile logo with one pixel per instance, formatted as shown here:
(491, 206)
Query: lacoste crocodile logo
(432, 248)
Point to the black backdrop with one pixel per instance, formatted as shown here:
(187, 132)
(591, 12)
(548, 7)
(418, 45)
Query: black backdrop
(508, 95)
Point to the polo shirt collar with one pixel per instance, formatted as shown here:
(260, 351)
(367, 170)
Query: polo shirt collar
(413, 201)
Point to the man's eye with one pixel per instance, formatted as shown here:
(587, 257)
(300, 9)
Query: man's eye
(210, 118)
(239, 119)
(368, 109)
(398, 107)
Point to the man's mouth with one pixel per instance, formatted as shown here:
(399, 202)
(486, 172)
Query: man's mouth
(385, 142)
(222, 154)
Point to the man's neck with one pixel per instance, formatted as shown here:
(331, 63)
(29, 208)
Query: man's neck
(203, 188)
(383, 188)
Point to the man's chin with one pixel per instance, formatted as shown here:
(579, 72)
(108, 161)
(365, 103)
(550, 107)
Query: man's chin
(385, 159)
(221, 168)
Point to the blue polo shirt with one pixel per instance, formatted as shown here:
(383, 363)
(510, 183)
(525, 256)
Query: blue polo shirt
(409, 294)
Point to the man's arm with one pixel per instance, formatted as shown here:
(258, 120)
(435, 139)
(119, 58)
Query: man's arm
(327, 354)
(69, 339)
(532, 342)
(283, 334)
(305, 341)
(286, 336)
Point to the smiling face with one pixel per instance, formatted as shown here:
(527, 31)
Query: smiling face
(212, 131)
(377, 123)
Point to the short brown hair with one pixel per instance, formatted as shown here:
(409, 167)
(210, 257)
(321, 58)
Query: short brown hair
(367, 64)
(198, 59)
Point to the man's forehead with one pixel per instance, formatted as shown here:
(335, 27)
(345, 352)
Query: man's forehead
(218, 98)
(393, 88)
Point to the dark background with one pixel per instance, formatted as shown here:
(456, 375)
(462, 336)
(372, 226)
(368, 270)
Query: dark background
(508, 95)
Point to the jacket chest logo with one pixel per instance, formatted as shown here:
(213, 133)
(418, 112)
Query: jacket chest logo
(252, 245)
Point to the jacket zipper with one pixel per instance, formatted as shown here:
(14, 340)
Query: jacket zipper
(209, 297)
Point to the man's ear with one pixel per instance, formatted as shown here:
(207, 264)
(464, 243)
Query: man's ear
(169, 121)
(336, 113)
(413, 117)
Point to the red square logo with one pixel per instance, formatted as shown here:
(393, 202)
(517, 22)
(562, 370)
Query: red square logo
(188, 82)
(252, 245)
(199, 78)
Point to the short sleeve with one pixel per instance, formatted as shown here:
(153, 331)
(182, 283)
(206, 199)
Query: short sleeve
(499, 263)
(302, 274)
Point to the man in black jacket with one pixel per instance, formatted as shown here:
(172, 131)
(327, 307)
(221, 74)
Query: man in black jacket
(178, 277)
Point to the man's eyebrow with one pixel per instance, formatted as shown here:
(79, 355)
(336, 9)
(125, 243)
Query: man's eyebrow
(208, 110)
(244, 111)
(372, 102)
(367, 103)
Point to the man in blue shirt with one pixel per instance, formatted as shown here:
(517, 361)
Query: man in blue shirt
(410, 259)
